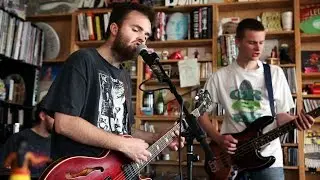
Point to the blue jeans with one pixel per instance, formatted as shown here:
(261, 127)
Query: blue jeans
(275, 173)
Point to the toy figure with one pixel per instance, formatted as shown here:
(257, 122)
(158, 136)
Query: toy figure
(19, 162)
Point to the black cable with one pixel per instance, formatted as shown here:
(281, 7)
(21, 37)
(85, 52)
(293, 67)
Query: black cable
(153, 90)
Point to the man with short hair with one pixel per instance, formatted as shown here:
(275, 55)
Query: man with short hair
(240, 88)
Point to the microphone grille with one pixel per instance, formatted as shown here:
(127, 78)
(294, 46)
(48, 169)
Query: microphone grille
(141, 47)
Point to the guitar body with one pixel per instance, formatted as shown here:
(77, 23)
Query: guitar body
(243, 159)
(107, 166)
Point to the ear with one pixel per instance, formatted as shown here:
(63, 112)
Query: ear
(237, 41)
(42, 115)
(114, 28)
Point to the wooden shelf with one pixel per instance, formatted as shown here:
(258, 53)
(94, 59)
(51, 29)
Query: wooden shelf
(15, 62)
(174, 81)
(18, 106)
(208, 140)
(311, 96)
(174, 163)
(180, 43)
(279, 34)
(56, 60)
(287, 65)
(311, 75)
(305, 2)
(276, 34)
(53, 17)
(155, 44)
(95, 10)
(289, 145)
(310, 37)
(184, 8)
(177, 60)
(238, 6)
(290, 167)
(156, 118)
(83, 44)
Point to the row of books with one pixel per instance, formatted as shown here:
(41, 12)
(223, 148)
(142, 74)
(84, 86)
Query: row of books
(196, 24)
(227, 50)
(205, 69)
(11, 115)
(11, 121)
(290, 137)
(20, 40)
(290, 74)
(311, 104)
(290, 156)
(92, 26)
(201, 23)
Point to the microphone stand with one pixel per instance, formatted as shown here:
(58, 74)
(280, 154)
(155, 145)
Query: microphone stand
(190, 156)
(194, 131)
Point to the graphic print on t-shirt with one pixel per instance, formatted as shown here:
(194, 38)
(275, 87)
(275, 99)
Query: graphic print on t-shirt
(246, 103)
(112, 114)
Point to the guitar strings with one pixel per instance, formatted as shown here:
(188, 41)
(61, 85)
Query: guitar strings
(163, 144)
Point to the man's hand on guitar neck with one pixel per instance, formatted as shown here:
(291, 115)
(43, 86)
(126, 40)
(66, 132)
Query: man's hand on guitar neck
(135, 149)
(174, 145)
(303, 121)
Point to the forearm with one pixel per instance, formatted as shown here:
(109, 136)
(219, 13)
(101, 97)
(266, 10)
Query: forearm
(149, 137)
(207, 126)
(283, 118)
(83, 132)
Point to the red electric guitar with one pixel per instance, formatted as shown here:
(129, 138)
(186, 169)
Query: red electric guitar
(113, 165)
(247, 156)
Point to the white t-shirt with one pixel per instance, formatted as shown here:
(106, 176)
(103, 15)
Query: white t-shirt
(244, 96)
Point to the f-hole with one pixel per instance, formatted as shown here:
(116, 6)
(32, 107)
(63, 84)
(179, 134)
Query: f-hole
(84, 172)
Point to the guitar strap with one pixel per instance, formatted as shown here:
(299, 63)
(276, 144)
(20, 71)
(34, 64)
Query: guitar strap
(268, 81)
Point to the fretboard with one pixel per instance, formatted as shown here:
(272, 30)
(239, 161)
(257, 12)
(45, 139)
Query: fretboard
(155, 150)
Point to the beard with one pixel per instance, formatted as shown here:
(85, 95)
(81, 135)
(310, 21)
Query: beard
(122, 50)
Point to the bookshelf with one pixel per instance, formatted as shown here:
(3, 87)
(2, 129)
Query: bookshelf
(20, 61)
(66, 26)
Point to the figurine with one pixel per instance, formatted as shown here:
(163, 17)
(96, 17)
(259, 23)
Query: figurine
(165, 54)
(19, 162)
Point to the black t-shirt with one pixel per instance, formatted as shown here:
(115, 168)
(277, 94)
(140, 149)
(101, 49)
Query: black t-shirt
(36, 144)
(91, 88)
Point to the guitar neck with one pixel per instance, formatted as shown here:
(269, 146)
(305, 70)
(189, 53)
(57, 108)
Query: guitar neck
(155, 149)
(279, 131)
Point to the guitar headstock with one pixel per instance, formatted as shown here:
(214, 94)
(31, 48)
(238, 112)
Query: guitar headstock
(203, 101)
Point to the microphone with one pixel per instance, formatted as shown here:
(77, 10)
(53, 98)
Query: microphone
(152, 60)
